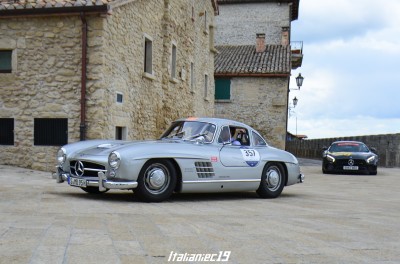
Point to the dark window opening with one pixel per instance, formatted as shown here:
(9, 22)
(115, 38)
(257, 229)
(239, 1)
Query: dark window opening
(50, 131)
(5, 61)
(148, 56)
(119, 98)
(6, 131)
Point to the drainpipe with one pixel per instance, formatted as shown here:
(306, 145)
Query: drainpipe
(83, 78)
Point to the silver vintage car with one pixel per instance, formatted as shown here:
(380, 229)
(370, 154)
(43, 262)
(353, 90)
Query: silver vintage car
(193, 155)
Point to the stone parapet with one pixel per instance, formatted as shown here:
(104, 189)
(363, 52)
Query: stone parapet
(387, 146)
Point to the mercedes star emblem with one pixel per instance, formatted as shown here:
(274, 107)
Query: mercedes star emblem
(351, 162)
(79, 168)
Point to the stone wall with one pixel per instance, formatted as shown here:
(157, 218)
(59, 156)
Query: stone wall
(239, 23)
(260, 103)
(388, 147)
(46, 80)
(44, 84)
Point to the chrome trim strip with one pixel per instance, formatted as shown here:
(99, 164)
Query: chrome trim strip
(221, 181)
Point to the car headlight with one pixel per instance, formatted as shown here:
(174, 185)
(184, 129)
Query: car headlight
(61, 156)
(114, 159)
(371, 159)
(330, 158)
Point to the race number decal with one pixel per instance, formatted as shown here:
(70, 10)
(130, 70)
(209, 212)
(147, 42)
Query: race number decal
(250, 156)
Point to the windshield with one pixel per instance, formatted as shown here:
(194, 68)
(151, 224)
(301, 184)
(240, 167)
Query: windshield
(188, 130)
(348, 147)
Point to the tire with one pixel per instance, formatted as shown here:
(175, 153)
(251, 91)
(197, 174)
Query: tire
(156, 181)
(93, 190)
(273, 180)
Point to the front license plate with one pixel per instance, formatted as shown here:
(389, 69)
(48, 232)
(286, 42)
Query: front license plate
(350, 167)
(77, 182)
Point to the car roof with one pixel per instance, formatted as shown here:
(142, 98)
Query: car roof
(348, 141)
(216, 121)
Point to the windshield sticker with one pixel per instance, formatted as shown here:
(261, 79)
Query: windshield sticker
(348, 144)
(342, 153)
(250, 156)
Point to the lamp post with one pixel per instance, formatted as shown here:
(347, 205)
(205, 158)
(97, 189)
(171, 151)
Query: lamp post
(295, 100)
(299, 82)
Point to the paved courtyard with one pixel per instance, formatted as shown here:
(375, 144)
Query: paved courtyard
(328, 219)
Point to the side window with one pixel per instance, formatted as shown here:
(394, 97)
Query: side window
(225, 135)
(242, 136)
(258, 141)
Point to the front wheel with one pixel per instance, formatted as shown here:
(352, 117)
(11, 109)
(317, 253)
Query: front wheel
(273, 180)
(157, 181)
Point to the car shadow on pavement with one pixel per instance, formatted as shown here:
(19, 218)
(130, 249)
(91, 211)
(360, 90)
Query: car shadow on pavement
(127, 196)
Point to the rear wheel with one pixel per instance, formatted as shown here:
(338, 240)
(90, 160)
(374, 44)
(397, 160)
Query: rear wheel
(273, 181)
(157, 181)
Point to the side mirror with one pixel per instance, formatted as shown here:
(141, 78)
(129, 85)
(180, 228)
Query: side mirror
(373, 150)
(324, 148)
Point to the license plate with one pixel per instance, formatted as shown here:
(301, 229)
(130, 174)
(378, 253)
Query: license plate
(350, 167)
(77, 182)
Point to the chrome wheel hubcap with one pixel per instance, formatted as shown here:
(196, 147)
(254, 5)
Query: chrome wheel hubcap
(156, 178)
(273, 179)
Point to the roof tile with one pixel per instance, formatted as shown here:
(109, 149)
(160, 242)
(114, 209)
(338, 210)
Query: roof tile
(244, 60)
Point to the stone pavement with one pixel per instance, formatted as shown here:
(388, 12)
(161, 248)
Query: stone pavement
(328, 219)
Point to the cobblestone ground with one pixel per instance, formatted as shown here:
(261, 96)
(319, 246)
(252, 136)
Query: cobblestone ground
(328, 219)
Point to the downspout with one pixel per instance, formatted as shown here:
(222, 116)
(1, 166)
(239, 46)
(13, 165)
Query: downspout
(83, 78)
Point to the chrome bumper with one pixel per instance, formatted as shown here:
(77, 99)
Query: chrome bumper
(103, 184)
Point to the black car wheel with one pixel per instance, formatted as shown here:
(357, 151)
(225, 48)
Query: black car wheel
(157, 181)
(273, 181)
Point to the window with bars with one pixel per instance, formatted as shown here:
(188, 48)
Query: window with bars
(50, 131)
(6, 131)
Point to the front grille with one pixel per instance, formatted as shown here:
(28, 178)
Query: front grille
(85, 168)
(204, 169)
(345, 162)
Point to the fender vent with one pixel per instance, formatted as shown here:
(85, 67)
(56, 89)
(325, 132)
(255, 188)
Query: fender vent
(204, 169)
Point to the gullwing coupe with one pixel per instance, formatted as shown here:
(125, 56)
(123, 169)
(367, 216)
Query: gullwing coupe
(192, 155)
(349, 157)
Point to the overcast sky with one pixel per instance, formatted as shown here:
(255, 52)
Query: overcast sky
(351, 68)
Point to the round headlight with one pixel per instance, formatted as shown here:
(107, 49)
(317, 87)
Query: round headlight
(61, 156)
(114, 160)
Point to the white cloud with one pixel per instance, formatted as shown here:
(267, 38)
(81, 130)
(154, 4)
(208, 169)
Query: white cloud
(351, 55)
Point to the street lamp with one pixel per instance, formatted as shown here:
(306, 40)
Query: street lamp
(299, 82)
(295, 100)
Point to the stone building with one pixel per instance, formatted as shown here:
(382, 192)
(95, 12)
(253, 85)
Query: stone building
(254, 63)
(76, 69)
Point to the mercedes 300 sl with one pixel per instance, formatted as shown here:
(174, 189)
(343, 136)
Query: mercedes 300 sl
(192, 155)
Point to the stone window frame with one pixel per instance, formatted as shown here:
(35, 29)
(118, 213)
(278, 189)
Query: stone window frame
(206, 86)
(173, 62)
(121, 132)
(148, 69)
(120, 98)
(192, 77)
(224, 100)
(205, 29)
(7, 44)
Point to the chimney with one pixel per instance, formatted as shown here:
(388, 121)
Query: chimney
(285, 36)
(260, 42)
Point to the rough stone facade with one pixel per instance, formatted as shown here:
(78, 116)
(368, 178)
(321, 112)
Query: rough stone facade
(46, 77)
(260, 101)
(237, 24)
(261, 105)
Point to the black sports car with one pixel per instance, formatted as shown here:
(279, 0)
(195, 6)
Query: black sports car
(349, 156)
